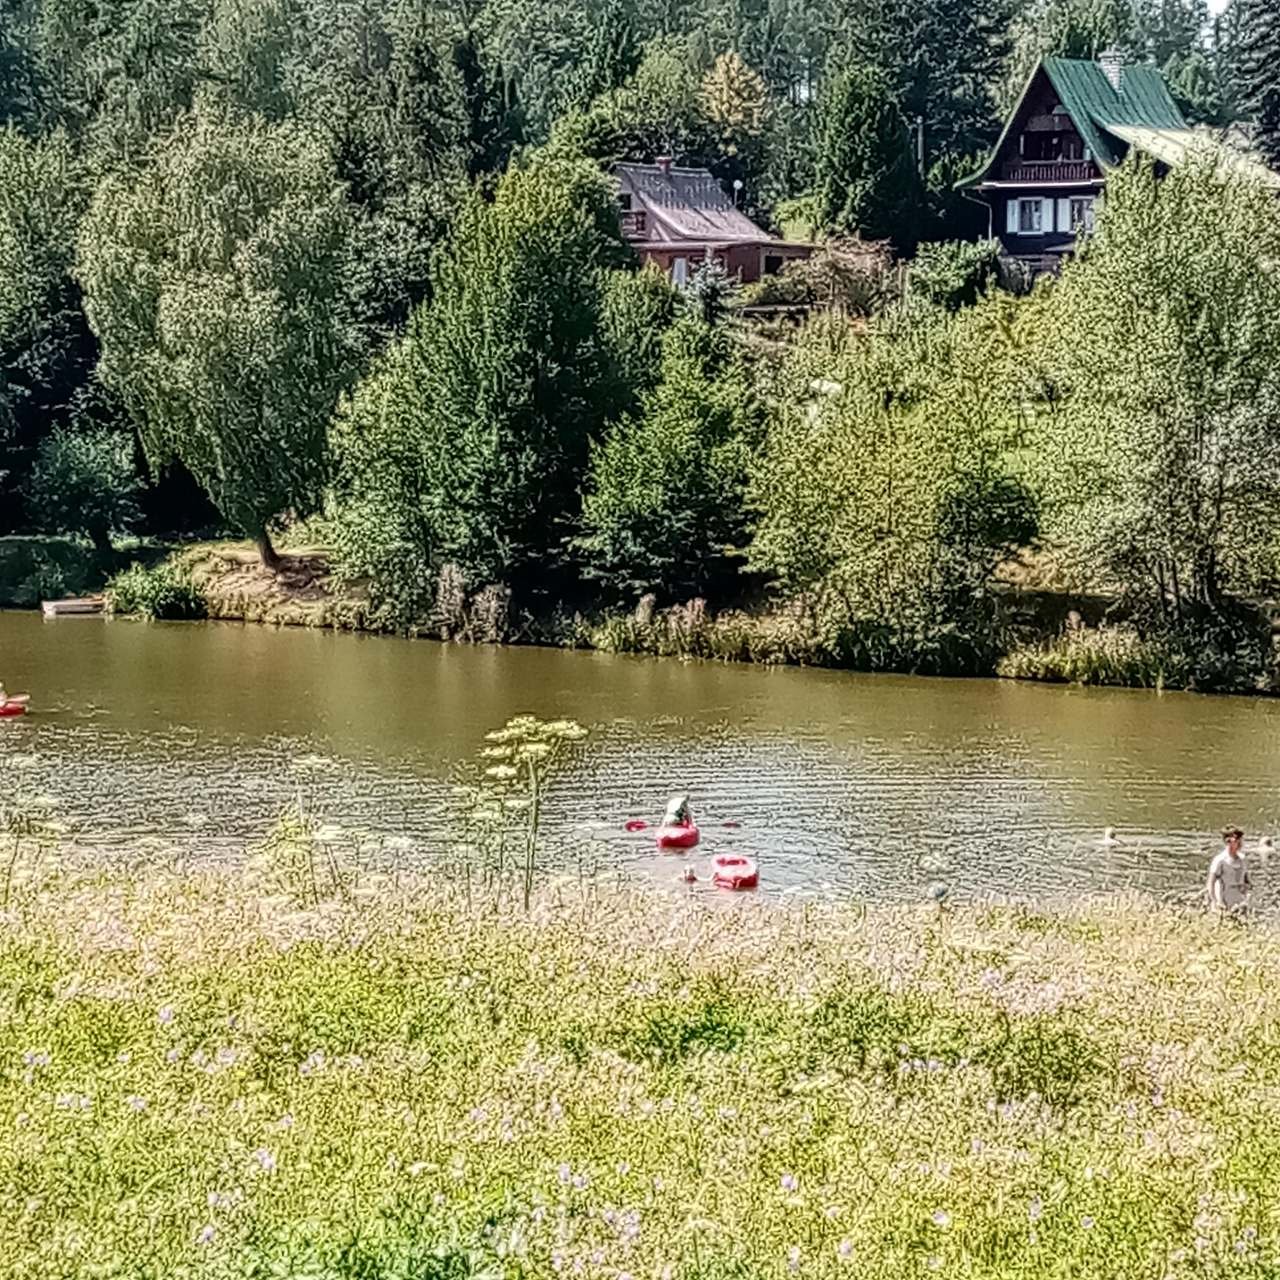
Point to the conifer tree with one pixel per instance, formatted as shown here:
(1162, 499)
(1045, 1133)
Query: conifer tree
(866, 178)
(1258, 62)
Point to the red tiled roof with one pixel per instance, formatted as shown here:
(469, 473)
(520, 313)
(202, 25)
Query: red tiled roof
(686, 205)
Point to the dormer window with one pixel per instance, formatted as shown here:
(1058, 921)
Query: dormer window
(624, 202)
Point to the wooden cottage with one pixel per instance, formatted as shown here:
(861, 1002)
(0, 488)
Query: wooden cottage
(1075, 121)
(677, 218)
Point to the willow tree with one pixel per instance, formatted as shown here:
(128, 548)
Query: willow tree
(215, 281)
(1160, 452)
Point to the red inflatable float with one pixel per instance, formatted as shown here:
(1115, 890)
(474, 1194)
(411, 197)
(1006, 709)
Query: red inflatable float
(15, 706)
(678, 836)
(733, 871)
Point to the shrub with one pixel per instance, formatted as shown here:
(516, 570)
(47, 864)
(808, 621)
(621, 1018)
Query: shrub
(162, 592)
(955, 273)
(664, 506)
(885, 485)
(84, 481)
(1224, 657)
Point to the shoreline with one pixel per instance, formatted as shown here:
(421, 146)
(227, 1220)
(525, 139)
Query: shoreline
(232, 586)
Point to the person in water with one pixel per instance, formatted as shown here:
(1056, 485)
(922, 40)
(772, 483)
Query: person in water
(1228, 885)
(678, 813)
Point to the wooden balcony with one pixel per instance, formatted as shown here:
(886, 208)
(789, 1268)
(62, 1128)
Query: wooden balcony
(634, 225)
(1047, 172)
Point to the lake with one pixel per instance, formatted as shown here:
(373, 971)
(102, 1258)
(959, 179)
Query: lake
(188, 737)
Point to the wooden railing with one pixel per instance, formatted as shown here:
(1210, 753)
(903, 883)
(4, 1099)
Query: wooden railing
(1049, 171)
(633, 224)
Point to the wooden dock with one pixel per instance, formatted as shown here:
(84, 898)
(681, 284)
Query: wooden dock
(81, 605)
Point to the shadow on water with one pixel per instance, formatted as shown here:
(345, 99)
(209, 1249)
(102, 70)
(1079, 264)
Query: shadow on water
(875, 785)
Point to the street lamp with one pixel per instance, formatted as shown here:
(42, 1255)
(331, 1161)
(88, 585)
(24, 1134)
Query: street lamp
(737, 187)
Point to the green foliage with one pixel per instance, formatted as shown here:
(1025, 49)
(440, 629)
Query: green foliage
(866, 177)
(1258, 68)
(162, 592)
(1158, 440)
(636, 310)
(35, 569)
(885, 483)
(84, 481)
(955, 274)
(467, 443)
(45, 360)
(215, 282)
(1226, 656)
(664, 502)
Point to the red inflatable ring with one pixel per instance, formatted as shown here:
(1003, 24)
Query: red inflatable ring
(684, 837)
(733, 871)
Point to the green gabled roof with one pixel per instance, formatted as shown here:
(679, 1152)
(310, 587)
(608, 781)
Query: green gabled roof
(1143, 102)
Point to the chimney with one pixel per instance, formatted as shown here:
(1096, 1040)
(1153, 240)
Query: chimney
(1112, 63)
(664, 165)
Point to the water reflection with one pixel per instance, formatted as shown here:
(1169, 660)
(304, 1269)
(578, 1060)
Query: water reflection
(872, 785)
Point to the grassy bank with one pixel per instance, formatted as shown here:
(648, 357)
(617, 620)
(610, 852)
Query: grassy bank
(43, 568)
(203, 1078)
(1037, 633)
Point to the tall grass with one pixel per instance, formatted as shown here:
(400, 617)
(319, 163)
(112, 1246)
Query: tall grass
(1120, 655)
(209, 1076)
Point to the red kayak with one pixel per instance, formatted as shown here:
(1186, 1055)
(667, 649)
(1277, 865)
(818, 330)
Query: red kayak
(678, 837)
(14, 707)
(733, 871)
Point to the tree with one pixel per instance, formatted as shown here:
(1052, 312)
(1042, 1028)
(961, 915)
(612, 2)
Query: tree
(941, 62)
(1159, 451)
(377, 83)
(1258, 61)
(466, 444)
(735, 101)
(46, 351)
(215, 282)
(866, 179)
(664, 503)
(885, 490)
(84, 481)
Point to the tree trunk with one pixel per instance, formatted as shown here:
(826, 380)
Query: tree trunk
(270, 557)
(101, 540)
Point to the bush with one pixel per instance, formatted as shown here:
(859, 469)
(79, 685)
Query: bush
(885, 485)
(955, 273)
(664, 506)
(162, 592)
(84, 482)
(1222, 657)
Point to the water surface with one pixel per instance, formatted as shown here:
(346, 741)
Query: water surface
(870, 785)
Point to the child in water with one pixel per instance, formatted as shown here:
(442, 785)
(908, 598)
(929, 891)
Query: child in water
(678, 813)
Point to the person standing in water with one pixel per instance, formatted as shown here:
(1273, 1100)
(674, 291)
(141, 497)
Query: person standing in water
(678, 813)
(1228, 885)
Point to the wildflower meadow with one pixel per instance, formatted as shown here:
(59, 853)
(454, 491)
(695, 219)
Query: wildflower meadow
(200, 1078)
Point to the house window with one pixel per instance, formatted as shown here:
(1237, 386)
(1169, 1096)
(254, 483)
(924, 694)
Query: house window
(1082, 213)
(680, 271)
(772, 263)
(1030, 217)
(624, 202)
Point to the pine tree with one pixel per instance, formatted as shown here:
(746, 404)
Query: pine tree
(1258, 61)
(866, 178)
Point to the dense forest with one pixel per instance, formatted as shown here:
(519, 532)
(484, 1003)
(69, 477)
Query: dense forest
(265, 262)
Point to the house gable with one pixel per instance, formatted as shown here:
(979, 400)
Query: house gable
(1086, 97)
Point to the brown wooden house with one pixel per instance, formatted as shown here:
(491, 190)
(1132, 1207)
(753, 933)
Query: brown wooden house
(677, 218)
(1075, 121)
